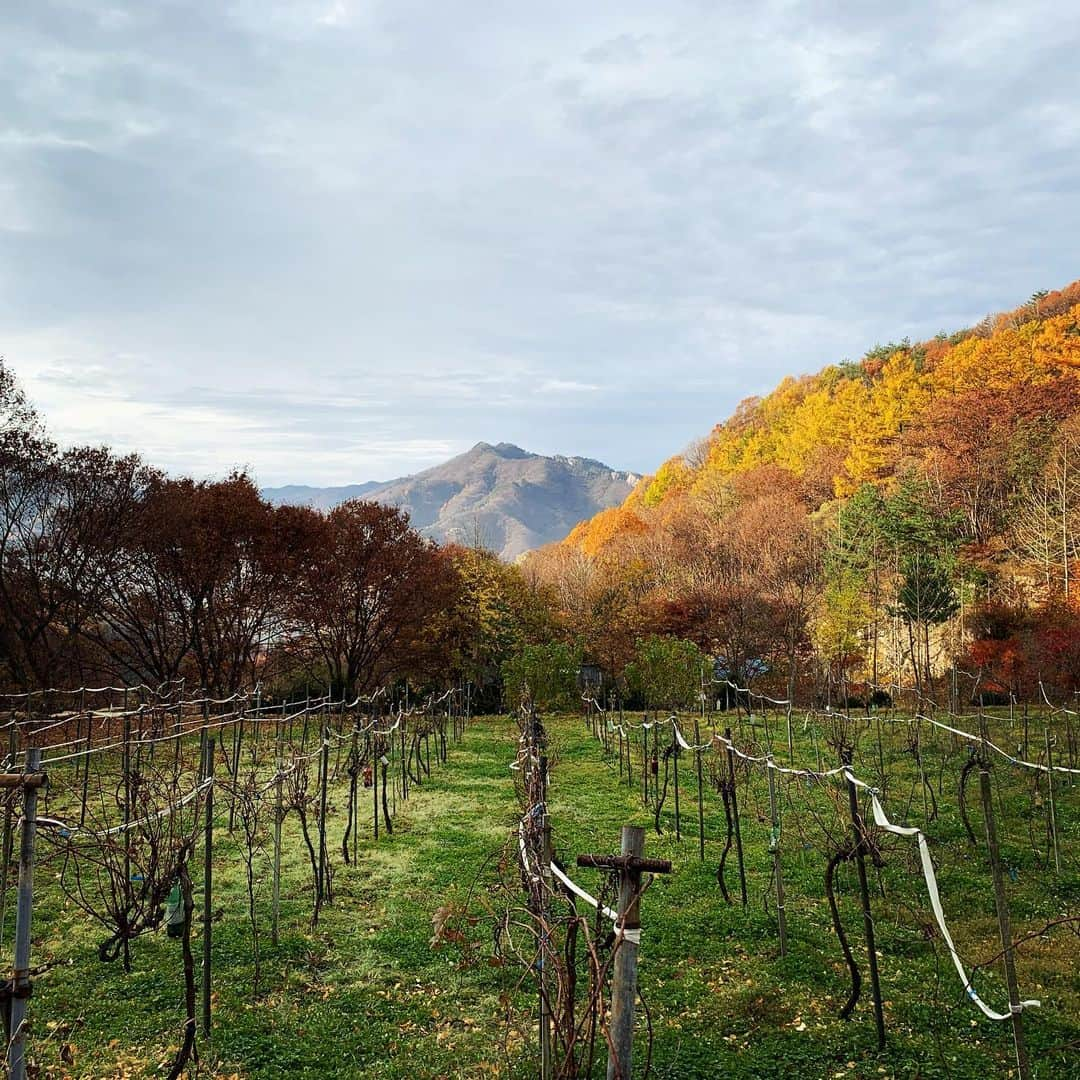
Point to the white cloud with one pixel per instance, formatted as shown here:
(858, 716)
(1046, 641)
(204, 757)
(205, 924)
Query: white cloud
(566, 386)
(337, 240)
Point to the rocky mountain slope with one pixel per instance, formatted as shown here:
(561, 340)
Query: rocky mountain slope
(508, 498)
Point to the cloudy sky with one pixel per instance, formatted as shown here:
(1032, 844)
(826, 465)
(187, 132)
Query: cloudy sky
(340, 240)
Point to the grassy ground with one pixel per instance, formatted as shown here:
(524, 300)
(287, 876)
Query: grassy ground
(365, 995)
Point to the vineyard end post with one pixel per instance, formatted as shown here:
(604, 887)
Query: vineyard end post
(630, 865)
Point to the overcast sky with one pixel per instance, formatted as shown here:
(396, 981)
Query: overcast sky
(337, 241)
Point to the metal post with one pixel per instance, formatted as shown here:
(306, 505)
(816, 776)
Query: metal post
(645, 763)
(86, 761)
(1050, 800)
(238, 742)
(675, 754)
(356, 779)
(864, 894)
(922, 772)
(324, 861)
(790, 742)
(126, 759)
(279, 782)
(735, 816)
(1015, 1009)
(774, 847)
(880, 749)
(208, 881)
(700, 803)
(374, 792)
(20, 982)
(9, 831)
(384, 762)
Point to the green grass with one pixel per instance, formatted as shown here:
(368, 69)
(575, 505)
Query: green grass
(365, 995)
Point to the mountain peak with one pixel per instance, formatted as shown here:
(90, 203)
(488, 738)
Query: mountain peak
(502, 450)
(508, 498)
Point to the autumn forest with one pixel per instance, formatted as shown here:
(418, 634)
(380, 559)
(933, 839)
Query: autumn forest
(911, 518)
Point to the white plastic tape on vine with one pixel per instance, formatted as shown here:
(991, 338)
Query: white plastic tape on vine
(630, 934)
(882, 821)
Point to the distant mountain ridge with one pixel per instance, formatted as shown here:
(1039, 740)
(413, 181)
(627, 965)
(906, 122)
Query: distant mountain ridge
(511, 499)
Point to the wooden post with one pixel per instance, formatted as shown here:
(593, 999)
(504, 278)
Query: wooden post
(208, 882)
(20, 980)
(735, 816)
(859, 831)
(630, 864)
(774, 847)
(1050, 801)
(1015, 1009)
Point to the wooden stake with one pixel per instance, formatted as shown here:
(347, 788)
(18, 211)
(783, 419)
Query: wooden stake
(630, 864)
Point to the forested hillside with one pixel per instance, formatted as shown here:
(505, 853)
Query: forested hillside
(879, 520)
